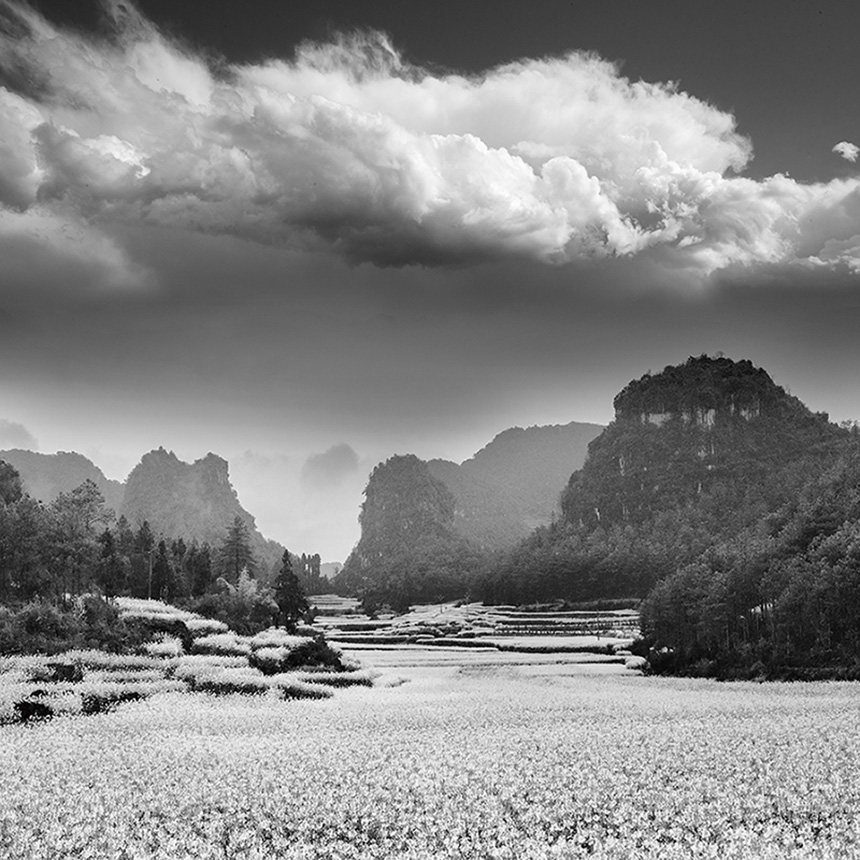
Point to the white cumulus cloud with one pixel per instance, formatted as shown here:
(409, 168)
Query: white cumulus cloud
(348, 146)
(848, 151)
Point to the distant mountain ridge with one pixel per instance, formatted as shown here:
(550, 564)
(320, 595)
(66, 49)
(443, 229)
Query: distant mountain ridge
(45, 476)
(513, 484)
(426, 526)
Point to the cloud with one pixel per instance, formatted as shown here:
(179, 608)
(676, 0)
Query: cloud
(849, 151)
(329, 469)
(14, 435)
(349, 147)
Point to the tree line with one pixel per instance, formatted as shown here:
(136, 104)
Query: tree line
(75, 546)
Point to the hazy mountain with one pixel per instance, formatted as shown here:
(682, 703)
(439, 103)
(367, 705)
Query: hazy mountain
(409, 550)
(45, 476)
(195, 500)
(513, 484)
(330, 569)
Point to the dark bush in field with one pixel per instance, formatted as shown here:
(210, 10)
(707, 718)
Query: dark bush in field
(224, 686)
(313, 653)
(33, 708)
(99, 703)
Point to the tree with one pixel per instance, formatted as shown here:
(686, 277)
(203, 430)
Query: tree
(110, 572)
(77, 514)
(26, 544)
(10, 484)
(235, 553)
(141, 561)
(124, 538)
(289, 595)
(163, 579)
(199, 561)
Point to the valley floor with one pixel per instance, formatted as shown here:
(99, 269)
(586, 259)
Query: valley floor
(452, 754)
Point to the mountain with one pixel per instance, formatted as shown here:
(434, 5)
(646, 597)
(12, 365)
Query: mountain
(513, 484)
(709, 425)
(330, 569)
(195, 500)
(702, 453)
(409, 550)
(45, 476)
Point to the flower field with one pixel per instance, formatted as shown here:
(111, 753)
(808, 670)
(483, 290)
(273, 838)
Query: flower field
(37, 686)
(475, 756)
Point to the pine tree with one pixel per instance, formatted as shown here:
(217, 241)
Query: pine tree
(235, 553)
(110, 570)
(289, 595)
(200, 569)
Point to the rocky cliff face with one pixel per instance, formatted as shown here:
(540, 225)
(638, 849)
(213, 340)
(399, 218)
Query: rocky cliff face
(45, 476)
(680, 433)
(195, 500)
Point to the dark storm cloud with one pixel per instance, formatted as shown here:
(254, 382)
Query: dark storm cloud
(14, 435)
(330, 468)
(348, 146)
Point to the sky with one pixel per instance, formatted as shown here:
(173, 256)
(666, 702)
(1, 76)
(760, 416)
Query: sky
(307, 236)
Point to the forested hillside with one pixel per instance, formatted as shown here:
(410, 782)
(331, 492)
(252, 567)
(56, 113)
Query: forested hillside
(727, 504)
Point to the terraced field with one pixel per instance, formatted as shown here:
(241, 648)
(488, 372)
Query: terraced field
(211, 659)
(474, 625)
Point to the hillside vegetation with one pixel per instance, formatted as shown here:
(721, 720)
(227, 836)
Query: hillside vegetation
(730, 507)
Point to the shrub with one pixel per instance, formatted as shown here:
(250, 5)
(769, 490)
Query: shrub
(338, 679)
(300, 690)
(246, 613)
(270, 660)
(315, 652)
(310, 652)
(99, 703)
(33, 708)
(41, 627)
(223, 682)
